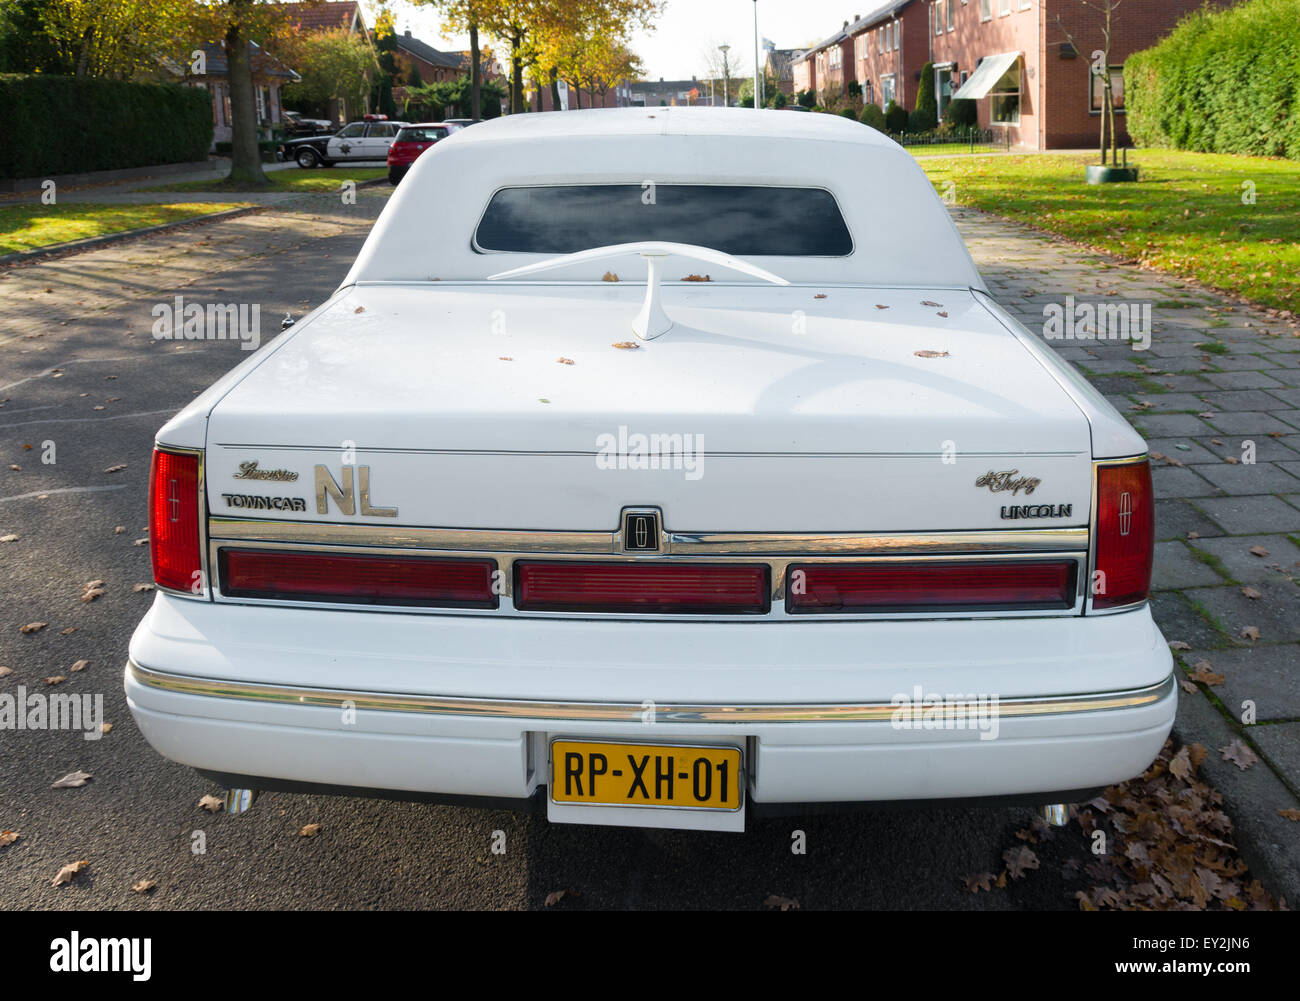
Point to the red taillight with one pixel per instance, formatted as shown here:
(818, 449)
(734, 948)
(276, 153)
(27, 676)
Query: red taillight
(357, 578)
(1125, 534)
(174, 521)
(641, 587)
(905, 587)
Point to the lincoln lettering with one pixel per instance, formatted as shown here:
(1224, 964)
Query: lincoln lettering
(1037, 511)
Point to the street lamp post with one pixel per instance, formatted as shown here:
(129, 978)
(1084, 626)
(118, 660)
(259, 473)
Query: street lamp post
(758, 90)
(726, 77)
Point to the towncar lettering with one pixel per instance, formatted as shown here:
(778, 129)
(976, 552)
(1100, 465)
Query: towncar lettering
(258, 503)
(476, 608)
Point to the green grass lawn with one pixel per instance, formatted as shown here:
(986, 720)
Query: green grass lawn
(27, 225)
(293, 179)
(1184, 216)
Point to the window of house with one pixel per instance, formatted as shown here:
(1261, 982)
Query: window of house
(1004, 7)
(898, 30)
(952, 14)
(1097, 100)
(887, 89)
(986, 9)
(1005, 106)
(938, 19)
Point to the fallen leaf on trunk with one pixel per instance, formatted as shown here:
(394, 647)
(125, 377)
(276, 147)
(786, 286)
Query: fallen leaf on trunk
(66, 874)
(309, 831)
(212, 803)
(774, 902)
(33, 627)
(144, 886)
(73, 780)
(1239, 754)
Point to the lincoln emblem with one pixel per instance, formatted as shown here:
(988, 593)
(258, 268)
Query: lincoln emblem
(641, 531)
(1125, 512)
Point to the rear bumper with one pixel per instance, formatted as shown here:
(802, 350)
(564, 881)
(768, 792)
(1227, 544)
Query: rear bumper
(458, 706)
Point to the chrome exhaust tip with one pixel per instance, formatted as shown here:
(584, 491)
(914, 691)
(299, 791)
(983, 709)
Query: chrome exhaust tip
(239, 800)
(1056, 814)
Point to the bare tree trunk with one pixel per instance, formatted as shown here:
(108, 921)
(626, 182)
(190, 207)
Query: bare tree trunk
(476, 74)
(245, 159)
(555, 89)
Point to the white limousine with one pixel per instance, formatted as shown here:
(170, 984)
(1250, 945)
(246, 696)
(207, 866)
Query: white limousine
(658, 468)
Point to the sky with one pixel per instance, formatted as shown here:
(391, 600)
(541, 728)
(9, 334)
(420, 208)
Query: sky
(688, 29)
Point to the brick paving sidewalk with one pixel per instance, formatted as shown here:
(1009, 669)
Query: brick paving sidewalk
(1217, 398)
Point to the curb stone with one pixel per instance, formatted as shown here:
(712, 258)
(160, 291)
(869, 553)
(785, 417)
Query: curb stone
(1268, 843)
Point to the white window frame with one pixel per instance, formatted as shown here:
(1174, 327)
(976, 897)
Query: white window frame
(994, 93)
(898, 30)
(888, 90)
(1115, 69)
(952, 15)
(1004, 8)
(986, 10)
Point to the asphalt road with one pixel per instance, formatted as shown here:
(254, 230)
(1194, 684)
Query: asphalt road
(75, 337)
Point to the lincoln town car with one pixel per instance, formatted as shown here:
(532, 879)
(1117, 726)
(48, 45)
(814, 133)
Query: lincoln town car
(661, 467)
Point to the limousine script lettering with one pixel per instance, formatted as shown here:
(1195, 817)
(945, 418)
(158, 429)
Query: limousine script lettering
(1007, 479)
(250, 471)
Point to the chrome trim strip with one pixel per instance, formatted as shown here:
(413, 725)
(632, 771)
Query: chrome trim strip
(622, 712)
(1033, 540)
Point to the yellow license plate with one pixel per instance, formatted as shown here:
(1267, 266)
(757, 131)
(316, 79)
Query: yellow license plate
(666, 775)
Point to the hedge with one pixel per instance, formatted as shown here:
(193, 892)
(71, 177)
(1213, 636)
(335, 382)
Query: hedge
(70, 125)
(1224, 81)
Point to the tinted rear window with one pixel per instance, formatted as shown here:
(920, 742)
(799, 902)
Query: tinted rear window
(735, 219)
(422, 135)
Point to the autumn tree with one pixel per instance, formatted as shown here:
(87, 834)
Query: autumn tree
(1102, 15)
(334, 66)
(117, 39)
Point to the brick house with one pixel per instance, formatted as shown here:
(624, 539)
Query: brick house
(803, 72)
(1013, 59)
(618, 95)
(654, 93)
(269, 75)
(833, 65)
(777, 63)
(890, 46)
(323, 16)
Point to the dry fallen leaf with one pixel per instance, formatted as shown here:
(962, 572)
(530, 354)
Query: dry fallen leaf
(8, 538)
(5, 671)
(56, 679)
(626, 345)
(1250, 633)
(1254, 550)
(66, 874)
(878, 306)
(116, 469)
(9, 837)
(73, 780)
(1289, 814)
(1019, 860)
(212, 803)
(309, 831)
(68, 632)
(1201, 672)
(119, 530)
(504, 358)
(359, 309)
(1232, 460)
(1251, 593)
(697, 278)
(565, 361)
(609, 276)
(931, 354)
(774, 902)
(105, 727)
(942, 313)
(144, 886)
(932, 305)
(78, 665)
(555, 896)
(141, 542)
(1193, 535)
(1187, 686)
(32, 627)
(1239, 754)
(91, 593)
(137, 588)
(980, 881)
(1179, 645)
(820, 295)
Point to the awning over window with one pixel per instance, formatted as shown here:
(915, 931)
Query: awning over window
(990, 72)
